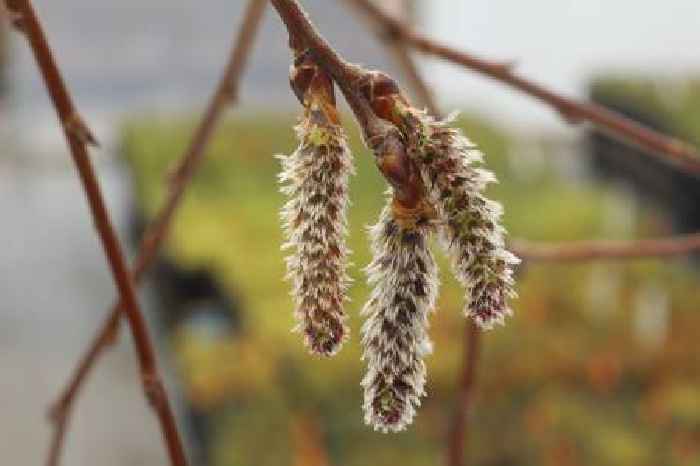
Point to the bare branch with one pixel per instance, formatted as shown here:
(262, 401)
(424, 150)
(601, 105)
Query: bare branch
(225, 94)
(459, 429)
(611, 250)
(78, 136)
(657, 144)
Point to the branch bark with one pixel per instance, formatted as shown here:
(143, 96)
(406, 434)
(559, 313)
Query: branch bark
(78, 137)
(667, 148)
(225, 94)
(460, 422)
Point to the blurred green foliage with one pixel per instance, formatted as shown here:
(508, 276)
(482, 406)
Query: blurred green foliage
(600, 365)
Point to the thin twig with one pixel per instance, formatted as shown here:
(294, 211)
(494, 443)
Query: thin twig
(459, 429)
(657, 144)
(225, 95)
(78, 137)
(578, 251)
(394, 44)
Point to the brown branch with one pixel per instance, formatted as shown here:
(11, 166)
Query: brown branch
(657, 144)
(382, 137)
(459, 429)
(595, 250)
(78, 136)
(394, 44)
(225, 94)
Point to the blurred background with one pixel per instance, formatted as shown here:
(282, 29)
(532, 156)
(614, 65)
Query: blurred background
(600, 365)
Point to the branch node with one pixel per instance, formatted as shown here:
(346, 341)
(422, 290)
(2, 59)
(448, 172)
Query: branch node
(154, 390)
(17, 21)
(57, 412)
(396, 166)
(506, 67)
(390, 33)
(382, 92)
(111, 336)
(301, 74)
(571, 116)
(76, 126)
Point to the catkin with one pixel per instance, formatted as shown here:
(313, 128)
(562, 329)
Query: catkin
(394, 336)
(315, 179)
(471, 229)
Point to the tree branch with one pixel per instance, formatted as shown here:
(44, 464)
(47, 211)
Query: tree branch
(460, 421)
(657, 144)
(225, 94)
(78, 136)
(596, 250)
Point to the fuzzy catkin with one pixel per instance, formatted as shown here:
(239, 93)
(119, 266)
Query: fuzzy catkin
(315, 179)
(471, 230)
(394, 336)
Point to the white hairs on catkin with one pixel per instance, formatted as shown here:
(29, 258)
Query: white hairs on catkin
(471, 228)
(315, 179)
(394, 336)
